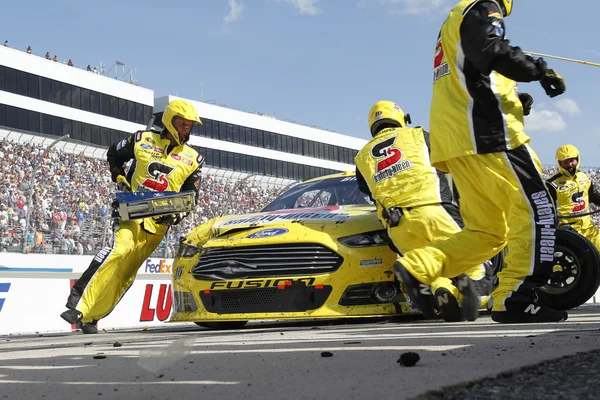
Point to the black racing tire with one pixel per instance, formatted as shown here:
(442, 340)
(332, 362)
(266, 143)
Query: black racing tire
(576, 274)
(222, 325)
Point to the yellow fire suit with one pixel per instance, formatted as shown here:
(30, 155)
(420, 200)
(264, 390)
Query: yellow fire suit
(394, 169)
(156, 166)
(572, 195)
(476, 123)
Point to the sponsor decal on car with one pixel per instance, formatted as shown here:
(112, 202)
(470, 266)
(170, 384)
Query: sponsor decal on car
(372, 262)
(179, 272)
(268, 233)
(298, 216)
(259, 283)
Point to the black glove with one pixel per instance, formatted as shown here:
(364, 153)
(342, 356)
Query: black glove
(171, 219)
(122, 184)
(541, 66)
(392, 216)
(553, 83)
(527, 101)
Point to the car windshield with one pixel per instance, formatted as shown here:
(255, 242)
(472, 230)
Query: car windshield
(341, 190)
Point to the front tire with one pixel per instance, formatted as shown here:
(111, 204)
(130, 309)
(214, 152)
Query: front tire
(575, 277)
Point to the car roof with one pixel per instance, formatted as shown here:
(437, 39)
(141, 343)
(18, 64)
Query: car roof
(338, 175)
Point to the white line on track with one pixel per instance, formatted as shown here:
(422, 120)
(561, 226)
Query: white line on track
(145, 383)
(44, 354)
(51, 367)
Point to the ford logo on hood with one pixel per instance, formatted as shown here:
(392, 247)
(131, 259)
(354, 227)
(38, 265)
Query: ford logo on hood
(268, 233)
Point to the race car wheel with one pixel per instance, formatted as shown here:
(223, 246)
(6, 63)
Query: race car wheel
(575, 275)
(222, 325)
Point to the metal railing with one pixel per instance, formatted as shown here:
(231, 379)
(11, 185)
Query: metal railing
(71, 147)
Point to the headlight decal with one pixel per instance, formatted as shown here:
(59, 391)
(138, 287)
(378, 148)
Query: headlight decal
(366, 239)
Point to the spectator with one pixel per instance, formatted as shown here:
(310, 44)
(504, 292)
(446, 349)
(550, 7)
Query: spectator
(55, 58)
(79, 248)
(73, 196)
(89, 68)
(47, 55)
(70, 63)
(6, 43)
(28, 49)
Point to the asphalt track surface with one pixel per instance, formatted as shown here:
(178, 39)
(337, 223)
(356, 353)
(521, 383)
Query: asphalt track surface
(266, 360)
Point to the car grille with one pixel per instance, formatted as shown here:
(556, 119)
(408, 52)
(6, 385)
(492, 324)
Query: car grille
(240, 298)
(266, 261)
(295, 298)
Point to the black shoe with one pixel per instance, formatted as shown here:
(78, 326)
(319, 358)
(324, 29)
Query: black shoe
(72, 316)
(89, 329)
(470, 298)
(518, 313)
(419, 293)
(448, 305)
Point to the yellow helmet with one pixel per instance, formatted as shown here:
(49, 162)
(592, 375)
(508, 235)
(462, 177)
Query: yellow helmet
(386, 112)
(183, 109)
(565, 152)
(506, 6)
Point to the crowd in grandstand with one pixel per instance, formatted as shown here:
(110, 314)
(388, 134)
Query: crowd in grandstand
(72, 195)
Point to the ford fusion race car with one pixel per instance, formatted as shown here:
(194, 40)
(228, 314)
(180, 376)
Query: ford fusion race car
(317, 251)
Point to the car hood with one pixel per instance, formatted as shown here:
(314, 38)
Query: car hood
(359, 218)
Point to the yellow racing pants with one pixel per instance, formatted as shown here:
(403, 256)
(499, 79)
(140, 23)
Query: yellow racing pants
(422, 225)
(503, 202)
(113, 270)
(588, 229)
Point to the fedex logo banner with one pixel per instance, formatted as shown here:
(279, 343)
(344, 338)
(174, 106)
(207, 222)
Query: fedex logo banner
(157, 266)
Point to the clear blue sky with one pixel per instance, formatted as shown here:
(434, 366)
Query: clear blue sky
(319, 62)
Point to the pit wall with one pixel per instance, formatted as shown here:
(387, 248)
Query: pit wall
(34, 289)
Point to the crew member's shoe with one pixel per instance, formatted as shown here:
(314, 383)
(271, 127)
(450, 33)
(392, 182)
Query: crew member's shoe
(89, 329)
(448, 305)
(470, 298)
(72, 316)
(527, 313)
(419, 293)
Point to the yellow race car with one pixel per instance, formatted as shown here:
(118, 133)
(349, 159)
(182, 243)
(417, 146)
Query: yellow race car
(317, 251)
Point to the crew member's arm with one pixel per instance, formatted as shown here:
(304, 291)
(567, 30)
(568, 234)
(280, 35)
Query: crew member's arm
(445, 191)
(118, 154)
(362, 184)
(594, 194)
(484, 44)
(552, 190)
(192, 182)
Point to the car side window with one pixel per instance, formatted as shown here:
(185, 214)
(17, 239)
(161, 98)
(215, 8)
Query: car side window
(322, 199)
(313, 198)
(306, 198)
